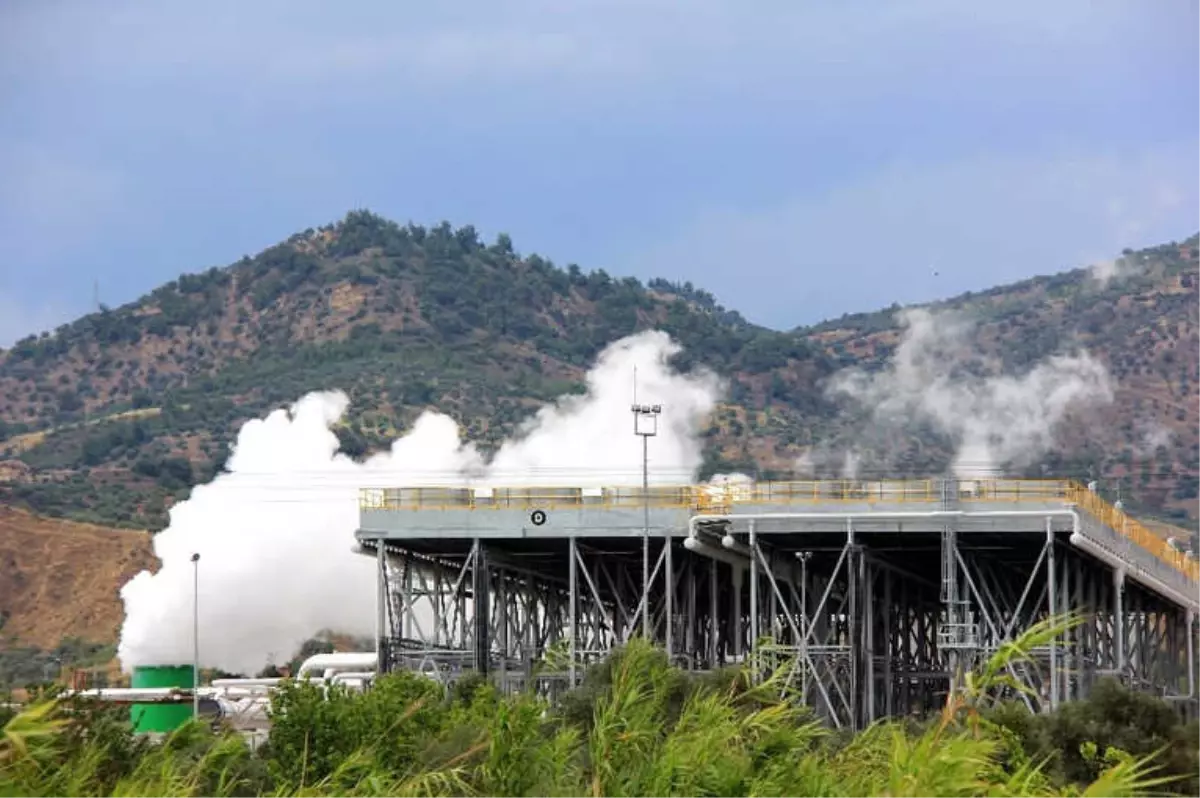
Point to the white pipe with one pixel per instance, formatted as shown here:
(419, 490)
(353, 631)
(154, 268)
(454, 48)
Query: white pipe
(708, 518)
(695, 544)
(144, 693)
(1191, 653)
(695, 520)
(354, 679)
(234, 692)
(132, 692)
(780, 570)
(1119, 620)
(332, 663)
(263, 682)
(239, 693)
(347, 675)
(731, 543)
(874, 516)
(1135, 570)
(736, 559)
(1083, 543)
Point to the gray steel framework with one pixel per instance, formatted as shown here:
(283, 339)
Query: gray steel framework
(878, 610)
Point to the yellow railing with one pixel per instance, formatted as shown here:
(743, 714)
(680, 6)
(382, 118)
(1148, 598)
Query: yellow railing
(717, 498)
(1013, 490)
(1130, 528)
(709, 497)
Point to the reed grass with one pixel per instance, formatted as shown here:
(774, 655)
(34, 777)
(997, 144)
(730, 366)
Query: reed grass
(640, 728)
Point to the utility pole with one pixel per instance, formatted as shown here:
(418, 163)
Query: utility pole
(645, 424)
(196, 635)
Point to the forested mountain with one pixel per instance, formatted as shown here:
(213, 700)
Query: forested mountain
(111, 418)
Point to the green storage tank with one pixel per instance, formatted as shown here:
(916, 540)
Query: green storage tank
(161, 717)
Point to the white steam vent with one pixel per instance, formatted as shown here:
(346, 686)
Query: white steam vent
(275, 530)
(994, 421)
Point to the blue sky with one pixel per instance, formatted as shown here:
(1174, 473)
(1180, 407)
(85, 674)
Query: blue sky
(797, 159)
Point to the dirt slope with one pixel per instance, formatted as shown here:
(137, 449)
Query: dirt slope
(62, 579)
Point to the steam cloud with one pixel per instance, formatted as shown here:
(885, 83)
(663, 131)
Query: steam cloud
(275, 530)
(1152, 436)
(1105, 271)
(994, 421)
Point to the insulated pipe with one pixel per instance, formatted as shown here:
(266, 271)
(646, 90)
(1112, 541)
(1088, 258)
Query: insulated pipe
(731, 543)
(151, 694)
(694, 521)
(737, 560)
(134, 693)
(381, 600)
(1139, 573)
(780, 570)
(1072, 513)
(753, 594)
(1119, 612)
(698, 546)
(332, 663)
(264, 682)
(869, 516)
(1191, 653)
(353, 675)
(362, 677)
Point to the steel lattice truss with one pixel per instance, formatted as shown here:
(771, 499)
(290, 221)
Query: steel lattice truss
(878, 622)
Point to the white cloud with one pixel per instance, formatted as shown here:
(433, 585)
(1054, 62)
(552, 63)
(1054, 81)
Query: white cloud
(306, 43)
(975, 222)
(288, 104)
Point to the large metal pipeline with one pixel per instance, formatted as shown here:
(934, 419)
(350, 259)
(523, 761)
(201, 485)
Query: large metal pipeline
(1077, 538)
(1134, 570)
(330, 665)
(735, 558)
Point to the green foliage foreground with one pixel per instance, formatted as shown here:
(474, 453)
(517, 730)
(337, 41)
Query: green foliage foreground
(635, 727)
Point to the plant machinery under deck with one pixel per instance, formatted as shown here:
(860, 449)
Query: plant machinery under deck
(880, 590)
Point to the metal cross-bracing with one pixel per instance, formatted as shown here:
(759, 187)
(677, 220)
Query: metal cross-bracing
(879, 596)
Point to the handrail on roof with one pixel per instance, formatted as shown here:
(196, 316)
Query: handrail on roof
(712, 498)
(704, 496)
(1131, 529)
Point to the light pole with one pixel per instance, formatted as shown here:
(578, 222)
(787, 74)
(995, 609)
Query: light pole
(645, 424)
(196, 635)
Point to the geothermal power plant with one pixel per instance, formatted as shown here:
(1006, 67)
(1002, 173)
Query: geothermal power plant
(879, 590)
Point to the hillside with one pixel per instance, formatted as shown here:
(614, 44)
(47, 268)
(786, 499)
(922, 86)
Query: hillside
(1140, 318)
(113, 417)
(62, 579)
(400, 318)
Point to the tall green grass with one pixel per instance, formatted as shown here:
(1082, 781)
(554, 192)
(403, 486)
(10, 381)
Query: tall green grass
(635, 727)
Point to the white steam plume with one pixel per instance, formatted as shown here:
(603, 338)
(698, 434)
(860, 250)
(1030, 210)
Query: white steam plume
(1152, 436)
(275, 531)
(994, 421)
(590, 437)
(1105, 271)
(850, 464)
(825, 461)
(805, 465)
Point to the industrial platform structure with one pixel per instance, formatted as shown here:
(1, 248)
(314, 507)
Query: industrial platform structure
(880, 590)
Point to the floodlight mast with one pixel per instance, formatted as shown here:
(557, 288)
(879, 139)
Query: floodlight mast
(196, 635)
(645, 424)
